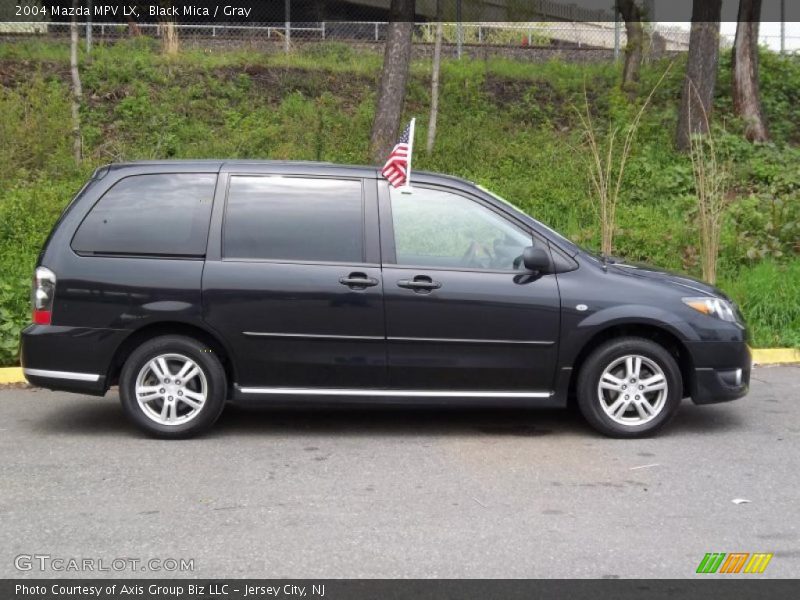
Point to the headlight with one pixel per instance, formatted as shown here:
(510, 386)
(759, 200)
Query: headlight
(713, 307)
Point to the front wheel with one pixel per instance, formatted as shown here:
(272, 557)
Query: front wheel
(629, 387)
(173, 387)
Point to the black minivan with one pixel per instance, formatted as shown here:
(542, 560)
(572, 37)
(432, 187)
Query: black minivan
(193, 283)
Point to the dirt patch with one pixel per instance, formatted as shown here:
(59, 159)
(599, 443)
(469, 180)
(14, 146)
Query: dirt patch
(275, 83)
(538, 101)
(15, 72)
(505, 92)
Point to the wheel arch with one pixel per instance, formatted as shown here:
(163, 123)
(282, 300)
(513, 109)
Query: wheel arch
(655, 333)
(153, 330)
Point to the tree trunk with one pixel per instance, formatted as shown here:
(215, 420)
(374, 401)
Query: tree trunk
(437, 61)
(169, 39)
(697, 96)
(392, 90)
(77, 89)
(133, 27)
(632, 14)
(746, 94)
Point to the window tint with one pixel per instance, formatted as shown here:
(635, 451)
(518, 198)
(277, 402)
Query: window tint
(292, 218)
(150, 214)
(434, 228)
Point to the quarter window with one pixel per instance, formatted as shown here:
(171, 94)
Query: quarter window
(435, 228)
(159, 214)
(293, 218)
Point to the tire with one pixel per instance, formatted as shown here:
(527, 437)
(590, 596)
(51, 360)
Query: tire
(167, 407)
(620, 402)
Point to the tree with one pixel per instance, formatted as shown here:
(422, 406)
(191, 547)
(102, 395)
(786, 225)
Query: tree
(746, 94)
(394, 77)
(437, 62)
(697, 96)
(77, 88)
(632, 14)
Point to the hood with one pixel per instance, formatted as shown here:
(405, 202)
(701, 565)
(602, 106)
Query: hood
(690, 284)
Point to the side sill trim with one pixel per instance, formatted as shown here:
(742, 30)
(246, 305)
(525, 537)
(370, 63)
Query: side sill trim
(62, 375)
(390, 393)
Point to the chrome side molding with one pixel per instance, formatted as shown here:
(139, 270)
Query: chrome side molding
(62, 374)
(312, 336)
(320, 336)
(390, 393)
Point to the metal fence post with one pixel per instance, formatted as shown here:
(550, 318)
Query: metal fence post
(616, 31)
(783, 26)
(459, 30)
(89, 28)
(287, 37)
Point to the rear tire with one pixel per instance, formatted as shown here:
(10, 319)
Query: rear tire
(173, 387)
(629, 387)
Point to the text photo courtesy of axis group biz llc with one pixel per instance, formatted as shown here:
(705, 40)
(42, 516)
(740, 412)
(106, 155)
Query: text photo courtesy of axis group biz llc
(441, 299)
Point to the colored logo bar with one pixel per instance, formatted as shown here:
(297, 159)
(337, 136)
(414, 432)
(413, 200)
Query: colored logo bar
(734, 562)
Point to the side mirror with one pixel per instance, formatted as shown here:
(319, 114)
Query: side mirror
(536, 259)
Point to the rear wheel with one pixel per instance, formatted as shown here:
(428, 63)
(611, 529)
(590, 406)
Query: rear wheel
(173, 387)
(629, 387)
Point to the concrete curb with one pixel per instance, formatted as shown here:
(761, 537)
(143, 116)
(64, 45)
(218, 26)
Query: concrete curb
(761, 356)
(776, 356)
(11, 375)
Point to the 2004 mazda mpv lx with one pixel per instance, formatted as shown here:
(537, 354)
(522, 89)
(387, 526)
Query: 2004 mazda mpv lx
(193, 283)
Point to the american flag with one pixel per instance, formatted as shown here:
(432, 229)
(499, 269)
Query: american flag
(397, 165)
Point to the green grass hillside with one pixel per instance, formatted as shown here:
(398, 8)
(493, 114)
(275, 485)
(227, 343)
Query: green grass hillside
(510, 126)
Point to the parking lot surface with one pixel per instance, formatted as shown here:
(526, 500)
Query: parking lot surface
(403, 492)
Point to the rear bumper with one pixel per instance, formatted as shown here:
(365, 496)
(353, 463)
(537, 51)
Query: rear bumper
(71, 359)
(67, 381)
(721, 373)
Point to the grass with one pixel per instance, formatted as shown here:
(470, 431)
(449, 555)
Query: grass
(508, 125)
(768, 295)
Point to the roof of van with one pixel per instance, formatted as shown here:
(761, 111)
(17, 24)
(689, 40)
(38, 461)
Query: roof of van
(218, 164)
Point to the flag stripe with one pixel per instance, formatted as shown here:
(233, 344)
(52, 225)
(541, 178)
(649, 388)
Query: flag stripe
(396, 168)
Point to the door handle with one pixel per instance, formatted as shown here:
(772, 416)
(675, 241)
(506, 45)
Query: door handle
(358, 281)
(420, 283)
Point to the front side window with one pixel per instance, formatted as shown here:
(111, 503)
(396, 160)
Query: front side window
(294, 218)
(436, 228)
(159, 214)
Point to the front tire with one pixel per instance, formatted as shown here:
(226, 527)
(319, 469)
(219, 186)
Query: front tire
(173, 387)
(629, 387)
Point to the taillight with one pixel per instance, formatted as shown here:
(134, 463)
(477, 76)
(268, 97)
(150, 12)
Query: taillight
(44, 292)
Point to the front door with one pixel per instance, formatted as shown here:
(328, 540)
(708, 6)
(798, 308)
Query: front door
(461, 312)
(297, 291)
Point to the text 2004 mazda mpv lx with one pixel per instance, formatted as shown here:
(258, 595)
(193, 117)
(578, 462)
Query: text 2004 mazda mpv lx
(193, 283)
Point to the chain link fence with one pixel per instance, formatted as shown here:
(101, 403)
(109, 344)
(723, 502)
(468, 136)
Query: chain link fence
(575, 35)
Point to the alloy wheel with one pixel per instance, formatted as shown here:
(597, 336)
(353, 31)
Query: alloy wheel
(632, 390)
(171, 389)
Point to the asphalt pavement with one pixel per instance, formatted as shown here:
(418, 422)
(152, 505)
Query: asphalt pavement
(401, 492)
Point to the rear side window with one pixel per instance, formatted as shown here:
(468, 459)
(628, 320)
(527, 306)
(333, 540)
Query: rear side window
(159, 214)
(294, 218)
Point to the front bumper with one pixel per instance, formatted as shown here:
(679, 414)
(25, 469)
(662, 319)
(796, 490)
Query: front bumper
(721, 371)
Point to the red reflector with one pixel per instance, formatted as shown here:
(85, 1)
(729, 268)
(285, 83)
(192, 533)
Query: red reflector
(42, 317)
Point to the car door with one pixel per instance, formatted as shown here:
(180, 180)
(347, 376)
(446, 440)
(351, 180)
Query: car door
(461, 312)
(295, 286)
